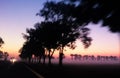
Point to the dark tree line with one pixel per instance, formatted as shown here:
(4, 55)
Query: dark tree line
(65, 22)
(51, 36)
(92, 57)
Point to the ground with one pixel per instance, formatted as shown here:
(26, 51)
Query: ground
(19, 70)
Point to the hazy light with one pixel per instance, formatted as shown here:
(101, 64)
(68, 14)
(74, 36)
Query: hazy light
(13, 60)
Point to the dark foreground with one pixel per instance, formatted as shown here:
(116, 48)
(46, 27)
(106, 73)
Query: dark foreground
(79, 71)
(19, 70)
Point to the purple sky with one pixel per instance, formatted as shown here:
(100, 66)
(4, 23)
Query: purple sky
(17, 15)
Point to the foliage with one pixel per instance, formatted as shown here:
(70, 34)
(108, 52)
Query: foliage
(1, 41)
(4, 55)
(1, 54)
(81, 12)
(57, 31)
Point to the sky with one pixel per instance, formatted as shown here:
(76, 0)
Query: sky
(17, 15)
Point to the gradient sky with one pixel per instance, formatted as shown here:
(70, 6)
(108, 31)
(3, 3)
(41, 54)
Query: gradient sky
(17, 15)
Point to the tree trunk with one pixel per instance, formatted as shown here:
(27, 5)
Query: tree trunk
(49, 57)
(39, 59)
(44, 59)
(29, 59)
(61, 57)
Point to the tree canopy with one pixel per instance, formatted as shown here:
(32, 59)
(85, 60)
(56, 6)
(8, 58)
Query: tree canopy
(52, 36)
(65, 22)
(84, 11)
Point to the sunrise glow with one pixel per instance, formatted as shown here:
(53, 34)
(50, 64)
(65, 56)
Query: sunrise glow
(16, 16)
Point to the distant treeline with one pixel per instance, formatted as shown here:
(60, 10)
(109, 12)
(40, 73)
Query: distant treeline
(92, 57)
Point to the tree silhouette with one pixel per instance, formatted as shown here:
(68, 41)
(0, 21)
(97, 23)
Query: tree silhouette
(6, 56)
(31, 47)
(1, 41)
(51, 36)
(1, 54)
(65, 21)
(81, 12)
(84, 11)
(67, 30)
(25, 51)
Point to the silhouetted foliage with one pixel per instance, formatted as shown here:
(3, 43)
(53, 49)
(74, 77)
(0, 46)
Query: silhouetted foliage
(30, 48)
(6, 56)
(57, 31)
(1, 54)
(92, 57)
(1, 41)
(25, 51)
(67, 29)
(51, 36)
(84, 11)
(76, 14)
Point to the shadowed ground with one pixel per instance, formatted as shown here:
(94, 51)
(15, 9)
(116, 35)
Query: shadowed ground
(16, 70)
(78, 71)
(19, 70)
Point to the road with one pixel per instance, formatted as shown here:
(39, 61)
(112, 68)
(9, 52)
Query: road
(17, 70)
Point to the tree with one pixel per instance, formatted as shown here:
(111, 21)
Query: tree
(6, 56)
(1, 54)
(62, 35)
(29, 48)
(51, 36)
(81, 12)
(1, 41)
(103, 10)
(33, 44)
(25, 52)
(68, 30)
(63, 30)
(85, 11)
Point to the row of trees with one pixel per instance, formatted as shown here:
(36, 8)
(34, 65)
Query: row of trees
(64, 22)
(54, 33)
(92, 57)
(47, 37)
